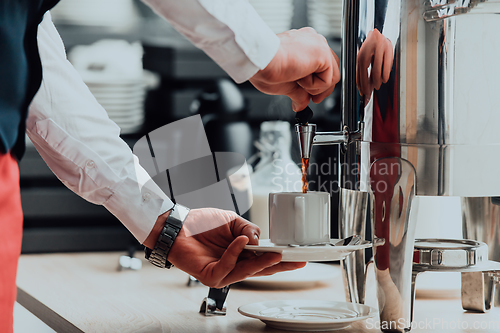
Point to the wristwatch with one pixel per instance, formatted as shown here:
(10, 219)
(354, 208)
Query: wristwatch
(158, 255)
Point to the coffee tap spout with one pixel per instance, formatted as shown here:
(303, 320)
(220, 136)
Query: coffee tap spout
(305, 136)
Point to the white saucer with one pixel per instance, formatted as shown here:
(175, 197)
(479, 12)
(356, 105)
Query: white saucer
(308, 253)
(307, 315)
(306, 277)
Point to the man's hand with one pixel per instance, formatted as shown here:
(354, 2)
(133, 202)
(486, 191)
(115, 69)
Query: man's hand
(304, 68)
(216, 257)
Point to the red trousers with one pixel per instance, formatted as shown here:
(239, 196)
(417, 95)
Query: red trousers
(11, 228)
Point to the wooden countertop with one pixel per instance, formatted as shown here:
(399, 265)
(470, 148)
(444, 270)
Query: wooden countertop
(85, 292)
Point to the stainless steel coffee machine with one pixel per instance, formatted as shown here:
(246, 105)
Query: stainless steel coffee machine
(420, 117)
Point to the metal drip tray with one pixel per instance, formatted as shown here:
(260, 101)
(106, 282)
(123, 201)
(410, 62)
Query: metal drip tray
(469, 257)
(452, 255)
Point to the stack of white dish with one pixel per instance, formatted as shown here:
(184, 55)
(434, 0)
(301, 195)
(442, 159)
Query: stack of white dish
(325, 16)
(102, 13)
(112, 69)
(277, 14)
(123, 101)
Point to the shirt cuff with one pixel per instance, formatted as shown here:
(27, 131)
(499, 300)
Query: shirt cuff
(131, 206)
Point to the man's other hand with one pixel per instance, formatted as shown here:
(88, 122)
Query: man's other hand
(304, 68)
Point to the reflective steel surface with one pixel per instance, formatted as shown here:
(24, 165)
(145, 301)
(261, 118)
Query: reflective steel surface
(481, 221)
(420, 118)
(352, 214)
(414, 82)
(436, 254)
(392, 192)
(305, 135)
(419, 79)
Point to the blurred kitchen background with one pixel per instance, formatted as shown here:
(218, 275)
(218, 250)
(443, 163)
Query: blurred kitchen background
(146, 75)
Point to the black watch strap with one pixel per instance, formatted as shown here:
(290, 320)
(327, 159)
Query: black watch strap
(159, 254)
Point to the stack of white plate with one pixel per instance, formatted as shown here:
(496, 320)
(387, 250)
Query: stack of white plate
(112, 69)
(123, 101)
(325, 16)
(103, 13)
(277, 14)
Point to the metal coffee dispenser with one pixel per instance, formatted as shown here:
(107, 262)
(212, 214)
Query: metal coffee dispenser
(420, 117)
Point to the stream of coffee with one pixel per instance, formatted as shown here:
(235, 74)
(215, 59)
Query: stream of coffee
(305, 166)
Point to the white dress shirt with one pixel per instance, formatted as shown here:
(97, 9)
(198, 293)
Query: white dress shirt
(81, 145)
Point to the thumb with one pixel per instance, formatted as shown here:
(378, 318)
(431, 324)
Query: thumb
(300, 98)
(243, 227)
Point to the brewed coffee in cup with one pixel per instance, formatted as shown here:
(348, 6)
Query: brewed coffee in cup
(299, 218)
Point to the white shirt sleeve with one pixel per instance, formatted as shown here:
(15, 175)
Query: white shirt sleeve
(81, 145)
(229, 31)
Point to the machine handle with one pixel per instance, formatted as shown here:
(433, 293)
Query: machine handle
(303, 117)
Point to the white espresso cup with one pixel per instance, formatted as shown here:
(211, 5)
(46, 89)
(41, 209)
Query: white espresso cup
(299, 218)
